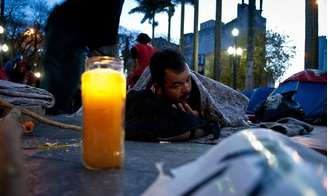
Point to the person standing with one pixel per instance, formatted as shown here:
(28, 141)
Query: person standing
(76, 29)
(141, 53)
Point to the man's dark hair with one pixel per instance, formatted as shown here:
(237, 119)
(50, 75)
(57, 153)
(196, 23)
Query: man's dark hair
(143, 38)
(165, 59)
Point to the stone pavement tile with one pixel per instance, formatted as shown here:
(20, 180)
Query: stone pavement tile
(60, 171)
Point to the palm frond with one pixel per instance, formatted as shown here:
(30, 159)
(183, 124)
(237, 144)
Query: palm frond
(186, 2)
(150, 7)
(137, 10)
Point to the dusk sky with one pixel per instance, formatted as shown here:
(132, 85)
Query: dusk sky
(283, 16)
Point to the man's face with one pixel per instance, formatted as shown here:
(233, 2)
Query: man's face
(177, 86)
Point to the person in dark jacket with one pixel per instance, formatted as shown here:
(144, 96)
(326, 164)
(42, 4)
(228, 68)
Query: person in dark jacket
(169, 108)
(75, 29)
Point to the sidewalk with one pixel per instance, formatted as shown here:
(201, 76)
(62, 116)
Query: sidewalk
(56, 168)
(316, 140)
(59, 170)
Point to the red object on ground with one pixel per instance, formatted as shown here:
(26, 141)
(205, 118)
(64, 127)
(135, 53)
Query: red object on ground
(28, 126)
(309, 75)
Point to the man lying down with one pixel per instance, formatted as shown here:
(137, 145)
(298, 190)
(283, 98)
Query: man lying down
(169, 102)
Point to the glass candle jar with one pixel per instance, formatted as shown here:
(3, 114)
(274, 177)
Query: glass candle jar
(103, 97)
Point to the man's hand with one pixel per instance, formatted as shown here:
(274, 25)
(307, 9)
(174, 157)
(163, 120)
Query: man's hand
(186, 108)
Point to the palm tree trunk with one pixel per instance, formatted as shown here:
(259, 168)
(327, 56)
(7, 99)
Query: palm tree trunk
(261, 6)
(153, 27)
(182, 26)
(217, 46)
(311, 35)
(195, 41)
(249, 79)
(2, 12)
(169, 28)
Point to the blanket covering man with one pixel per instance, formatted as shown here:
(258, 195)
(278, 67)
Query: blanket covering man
(219, 106)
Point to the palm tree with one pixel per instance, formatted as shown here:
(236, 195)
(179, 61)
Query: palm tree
(2, 11)
(170, 12)
(182, 2)
(217, 46)
(311, 35)
(249, 79)
(195, 40)
(182, 26)
(149, 8)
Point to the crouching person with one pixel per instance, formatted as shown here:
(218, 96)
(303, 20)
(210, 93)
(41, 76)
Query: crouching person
(172, 103)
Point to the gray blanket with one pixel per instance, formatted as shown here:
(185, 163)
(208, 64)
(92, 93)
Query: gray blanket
(24, 95)
(219, 102)
(287, 126)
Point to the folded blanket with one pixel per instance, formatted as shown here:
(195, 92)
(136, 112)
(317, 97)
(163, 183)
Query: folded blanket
(24, 95)
(288, 126)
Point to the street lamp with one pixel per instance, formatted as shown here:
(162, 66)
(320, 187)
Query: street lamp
(239, 51)
(235, 54)
(37, 74)
(231, 50)
(32, 31)
(235, 32)
(4, 48)
(235, 51)
(2, 30)
(29, 31)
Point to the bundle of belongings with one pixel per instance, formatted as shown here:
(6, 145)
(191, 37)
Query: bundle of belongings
(24, 95)
(279, 106)
(219, 105)
(282, 113)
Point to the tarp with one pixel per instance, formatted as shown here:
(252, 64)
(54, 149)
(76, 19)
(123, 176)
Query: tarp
(248, 93)
(258, 96)
(310, 75)
(311, 92)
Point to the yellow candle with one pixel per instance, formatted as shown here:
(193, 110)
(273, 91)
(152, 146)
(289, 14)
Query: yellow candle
(103, 96)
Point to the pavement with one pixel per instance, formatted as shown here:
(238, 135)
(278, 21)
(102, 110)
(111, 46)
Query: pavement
(316, 140)
(54, 167)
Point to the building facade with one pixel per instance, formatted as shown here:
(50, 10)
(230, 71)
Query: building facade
(206, 39)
